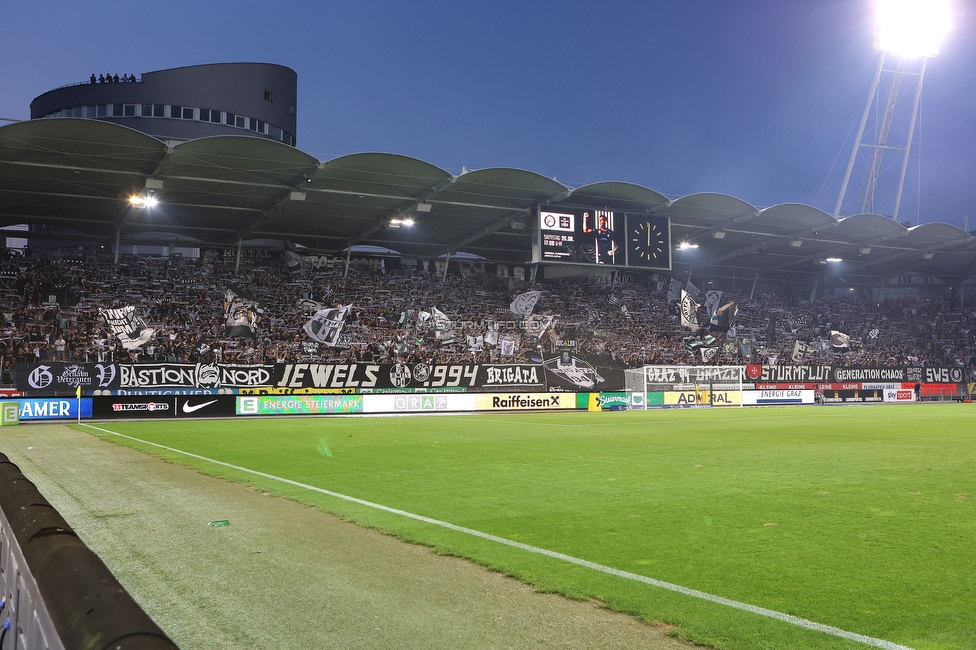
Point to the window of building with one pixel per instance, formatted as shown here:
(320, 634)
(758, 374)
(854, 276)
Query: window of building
(153, 110)
(235, 120)
(91, 111)
(187, 113)
(267, 95)
(116, 110)
(209, 115)
(129, 110)
(101, 110)
(274, 132)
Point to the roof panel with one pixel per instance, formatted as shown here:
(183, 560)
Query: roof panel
(75, 174)
(628, 196)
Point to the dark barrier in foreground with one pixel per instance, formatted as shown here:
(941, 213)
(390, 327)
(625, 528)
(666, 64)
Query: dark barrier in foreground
(54, 584)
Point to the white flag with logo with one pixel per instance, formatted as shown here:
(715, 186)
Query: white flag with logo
(130, 329)
(506, 347)
(689, 311)
(476, 343)
(443, 327)
(524, 303)
(491, 336)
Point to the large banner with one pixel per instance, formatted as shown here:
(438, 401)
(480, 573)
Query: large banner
(841, 374)
(568, 372)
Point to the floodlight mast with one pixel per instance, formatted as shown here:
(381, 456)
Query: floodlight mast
(907, 30)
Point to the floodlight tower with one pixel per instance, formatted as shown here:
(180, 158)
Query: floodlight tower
(909, 33)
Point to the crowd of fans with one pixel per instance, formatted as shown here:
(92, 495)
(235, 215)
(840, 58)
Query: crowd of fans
(51, 311)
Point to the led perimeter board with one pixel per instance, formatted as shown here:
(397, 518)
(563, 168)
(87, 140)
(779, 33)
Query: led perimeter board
(602, 237)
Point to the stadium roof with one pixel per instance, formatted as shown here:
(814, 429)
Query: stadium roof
(72, 179)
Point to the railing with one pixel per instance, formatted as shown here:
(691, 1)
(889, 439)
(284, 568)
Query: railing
(56, 593)
(89, 83)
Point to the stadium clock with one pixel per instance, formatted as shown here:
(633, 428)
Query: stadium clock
(648, 242)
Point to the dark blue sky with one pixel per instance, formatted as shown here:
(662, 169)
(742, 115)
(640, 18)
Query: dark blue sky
(753, 98)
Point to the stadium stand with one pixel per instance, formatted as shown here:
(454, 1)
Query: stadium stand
(52, 310)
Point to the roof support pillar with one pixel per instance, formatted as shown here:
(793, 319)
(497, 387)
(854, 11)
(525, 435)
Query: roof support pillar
(752, 291)
(345, 272)
(237, 265)
(447, 262)
(118, 237)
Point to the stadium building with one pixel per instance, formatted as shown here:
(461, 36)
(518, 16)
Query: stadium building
(257, 99)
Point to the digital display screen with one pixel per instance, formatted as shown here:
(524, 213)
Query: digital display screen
(603, 237)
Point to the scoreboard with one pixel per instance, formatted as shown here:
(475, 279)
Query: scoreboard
(602, 237)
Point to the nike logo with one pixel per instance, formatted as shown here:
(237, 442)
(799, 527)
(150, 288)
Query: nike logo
(190, 409)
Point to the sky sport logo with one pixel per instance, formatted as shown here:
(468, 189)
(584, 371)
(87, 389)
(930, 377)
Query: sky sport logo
(141, 406)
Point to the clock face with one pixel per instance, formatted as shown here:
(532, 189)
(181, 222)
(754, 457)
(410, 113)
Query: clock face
(648, 243)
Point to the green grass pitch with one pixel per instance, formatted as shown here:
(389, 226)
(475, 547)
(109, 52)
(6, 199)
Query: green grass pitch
(862, 518)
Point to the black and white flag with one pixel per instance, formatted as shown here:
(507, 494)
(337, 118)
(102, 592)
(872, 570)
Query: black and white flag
(326, 325)
(443, 327)
(524, 303)
(241, 313)
(839, 340)
(130, 329)
(801, 350)
(536, 325)
(674, 291)
(308, 306)
(712, 301)
(725, 316)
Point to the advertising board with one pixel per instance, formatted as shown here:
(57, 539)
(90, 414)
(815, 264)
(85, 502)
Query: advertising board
(690, 398)
(421, 403)
(899, 395)
(127, 406)
(770, 397)
(54, 408)
(298, 404)
(524, 401)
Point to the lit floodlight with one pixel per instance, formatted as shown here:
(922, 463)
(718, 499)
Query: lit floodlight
(683, 246)
(150, 202)
(912, 28)
(407, 222)
(834, 259)
(137, 201)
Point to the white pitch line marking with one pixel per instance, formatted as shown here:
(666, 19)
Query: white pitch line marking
(694, 593)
